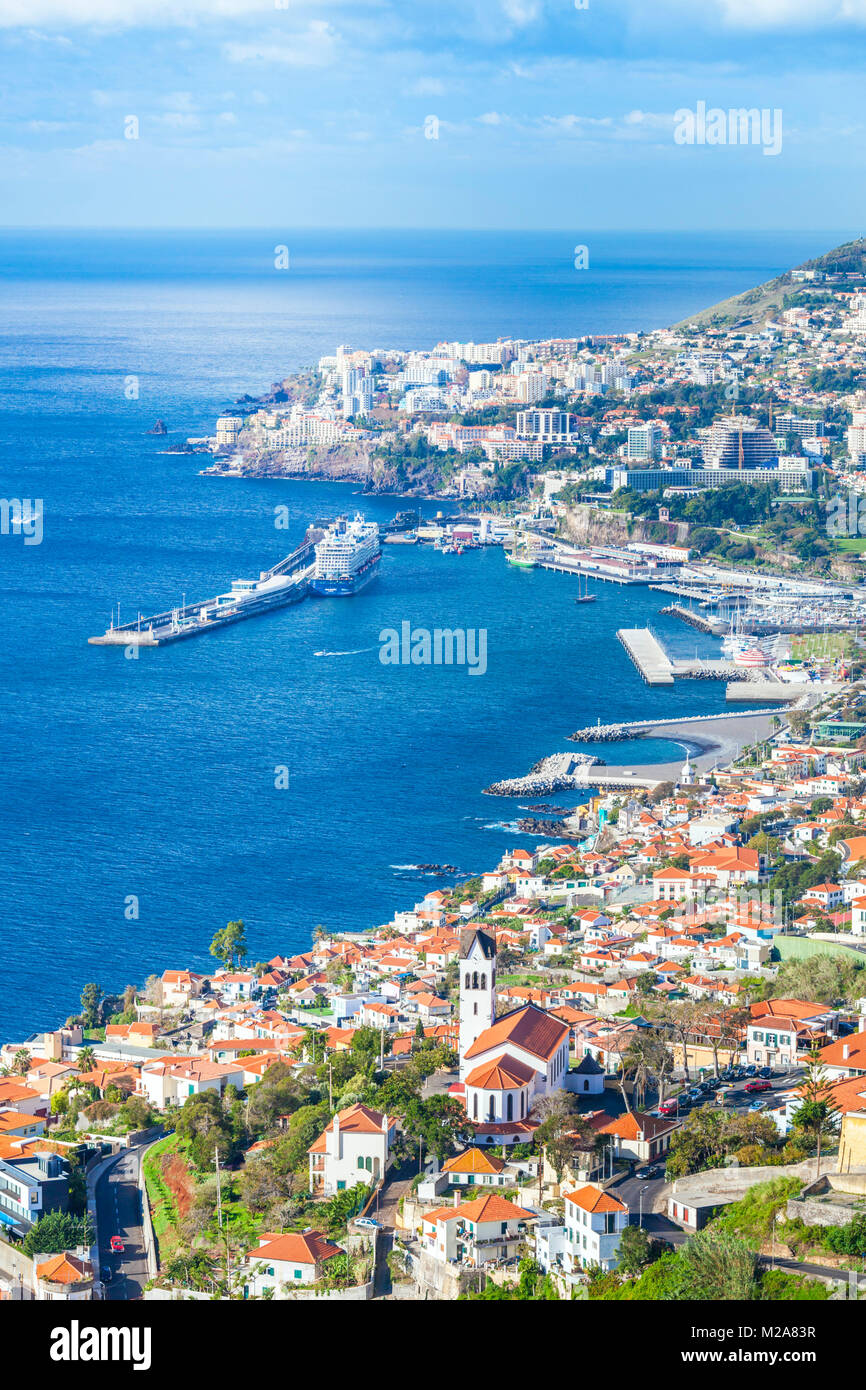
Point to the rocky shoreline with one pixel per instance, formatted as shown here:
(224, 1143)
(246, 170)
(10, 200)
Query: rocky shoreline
(356, 463)
(549, 829)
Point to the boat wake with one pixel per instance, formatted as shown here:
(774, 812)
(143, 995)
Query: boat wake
(356, 652)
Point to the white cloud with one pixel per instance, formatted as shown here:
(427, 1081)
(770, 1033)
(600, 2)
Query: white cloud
(803, 14)
(425, 87)
(521, 12)
(124, 14)
(313, 47)
(179, 120)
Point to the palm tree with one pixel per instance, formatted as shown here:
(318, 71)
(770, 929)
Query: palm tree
(86, 1059)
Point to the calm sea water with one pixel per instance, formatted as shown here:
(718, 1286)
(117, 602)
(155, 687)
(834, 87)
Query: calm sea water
(155, 779)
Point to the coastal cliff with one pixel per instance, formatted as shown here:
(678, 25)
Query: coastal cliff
(590, 526)
(353, 463)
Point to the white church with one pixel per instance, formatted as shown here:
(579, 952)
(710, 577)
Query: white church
(506, 1063)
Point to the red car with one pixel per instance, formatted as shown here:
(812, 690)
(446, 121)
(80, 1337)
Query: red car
(116, 1244)
(752, 1088)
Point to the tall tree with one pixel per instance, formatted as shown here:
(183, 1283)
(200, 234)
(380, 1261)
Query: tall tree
(229, 945)
(817, 1115)
(91, 999)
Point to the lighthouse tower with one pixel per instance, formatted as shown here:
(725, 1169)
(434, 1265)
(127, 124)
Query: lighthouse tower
(477, 988)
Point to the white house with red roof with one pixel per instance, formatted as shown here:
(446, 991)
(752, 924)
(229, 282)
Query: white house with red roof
(475, 1233)
(284, 1262)
(594, 1221)
(355, 1147)
(846, 1057)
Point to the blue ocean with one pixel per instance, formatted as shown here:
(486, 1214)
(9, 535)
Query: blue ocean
(141, 809)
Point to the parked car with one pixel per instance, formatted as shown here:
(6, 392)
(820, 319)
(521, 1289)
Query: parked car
(766, 1072)
(751, 1070)
(116, 1244)
(668, 1107)
(758, 1105)
(752, 1088)
(366, 1223)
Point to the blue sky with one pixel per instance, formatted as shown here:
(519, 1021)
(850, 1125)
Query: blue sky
(280, 112)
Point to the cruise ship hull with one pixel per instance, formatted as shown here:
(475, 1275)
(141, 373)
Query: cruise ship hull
(346, 585)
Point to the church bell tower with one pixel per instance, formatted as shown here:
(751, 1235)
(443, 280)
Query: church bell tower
(477, 988)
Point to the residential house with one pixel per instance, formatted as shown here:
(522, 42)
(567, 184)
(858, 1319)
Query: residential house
(486, 1230)
(284, 1262)
(355, 1148)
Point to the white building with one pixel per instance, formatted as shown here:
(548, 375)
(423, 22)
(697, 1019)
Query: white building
(505, 1063)
(594, 1222)
(531, 386)
(475, 1233)
(228, 427)
(549, 426)
(644, 441)
(477, 988)
(355, 1147)
(285, 1262)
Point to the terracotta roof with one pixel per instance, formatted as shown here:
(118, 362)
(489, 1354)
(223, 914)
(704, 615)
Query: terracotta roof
(64, 1269)
(593, 1199)
(834, 1054)
(310, 1248)
(789, 1008)
(473, 1161)
(489, 1208)
(630, 1126)
(530, 1028)
(356, 1119)
(504, 1073)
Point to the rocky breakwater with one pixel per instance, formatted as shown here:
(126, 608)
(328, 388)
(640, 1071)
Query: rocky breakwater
(607, 733)
(559, 772)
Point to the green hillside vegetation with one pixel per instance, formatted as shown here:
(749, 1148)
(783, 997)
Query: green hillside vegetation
(754, 306)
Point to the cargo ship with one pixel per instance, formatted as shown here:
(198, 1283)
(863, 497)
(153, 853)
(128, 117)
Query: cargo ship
(347, 558)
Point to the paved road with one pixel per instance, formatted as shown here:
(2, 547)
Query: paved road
(396, 1185)
(118, 1213)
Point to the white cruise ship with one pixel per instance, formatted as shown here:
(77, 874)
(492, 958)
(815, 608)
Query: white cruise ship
(347, 557)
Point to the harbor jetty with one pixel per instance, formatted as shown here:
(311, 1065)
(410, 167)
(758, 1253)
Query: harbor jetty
(283, 584)
(688, 615)
(648, 655)
(657, 668)
(663, 728)
(559, 772)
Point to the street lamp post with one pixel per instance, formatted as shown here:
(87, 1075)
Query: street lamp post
(640, 1202)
